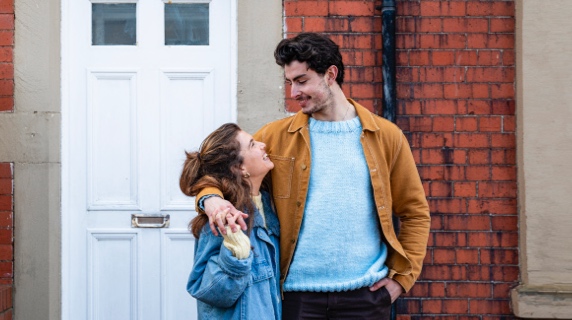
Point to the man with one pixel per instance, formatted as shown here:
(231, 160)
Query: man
(339, 173)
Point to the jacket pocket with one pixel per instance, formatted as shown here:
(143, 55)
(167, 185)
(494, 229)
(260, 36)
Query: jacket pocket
(261, 271)
(282, 176)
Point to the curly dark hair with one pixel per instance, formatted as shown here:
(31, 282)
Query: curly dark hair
(217, 164)
(318, 51)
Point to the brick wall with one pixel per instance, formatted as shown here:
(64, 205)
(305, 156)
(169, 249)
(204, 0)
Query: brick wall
(456, 95)
(6, 169)
(6, 56)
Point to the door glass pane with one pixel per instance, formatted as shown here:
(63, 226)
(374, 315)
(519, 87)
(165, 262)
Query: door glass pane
(187, 24)
(113, 24)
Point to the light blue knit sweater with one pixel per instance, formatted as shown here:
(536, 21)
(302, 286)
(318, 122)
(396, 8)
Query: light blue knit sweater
(339, 246)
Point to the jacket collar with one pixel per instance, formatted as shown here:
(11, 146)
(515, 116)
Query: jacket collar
(366, 118)
(271, 220)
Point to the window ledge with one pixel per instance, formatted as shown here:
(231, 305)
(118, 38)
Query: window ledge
(538, 301)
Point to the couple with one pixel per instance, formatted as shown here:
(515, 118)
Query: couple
(324, 211)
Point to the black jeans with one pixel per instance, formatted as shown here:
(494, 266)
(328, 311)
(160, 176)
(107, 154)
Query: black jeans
(356, 304)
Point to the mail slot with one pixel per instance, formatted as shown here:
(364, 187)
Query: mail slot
(150, 220)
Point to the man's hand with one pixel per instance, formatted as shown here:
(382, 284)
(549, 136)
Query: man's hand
(223, 213)
(392, 286)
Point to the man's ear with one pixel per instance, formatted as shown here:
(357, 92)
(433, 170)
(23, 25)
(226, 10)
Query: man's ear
(331, 74)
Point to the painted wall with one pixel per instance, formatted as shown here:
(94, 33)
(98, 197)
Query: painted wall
(544, 111)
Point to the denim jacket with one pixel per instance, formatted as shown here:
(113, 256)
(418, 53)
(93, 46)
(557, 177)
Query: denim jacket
(228, 288)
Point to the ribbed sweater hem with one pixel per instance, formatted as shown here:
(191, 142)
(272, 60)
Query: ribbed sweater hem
(365, 281)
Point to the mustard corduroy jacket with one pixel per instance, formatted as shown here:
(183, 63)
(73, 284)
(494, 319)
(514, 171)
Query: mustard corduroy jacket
(394, 178)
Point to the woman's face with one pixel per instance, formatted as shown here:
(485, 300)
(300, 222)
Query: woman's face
(255, 159)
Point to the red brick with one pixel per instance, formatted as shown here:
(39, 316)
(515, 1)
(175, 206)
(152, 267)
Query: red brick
(6, 236)
(6, 270)
(499, 257)
(6, 252)
(367, 24)
(465, 189)
(504, 173)
(408, 8)
(411, 107)
(503, 140)
(445, 306)
(420, 124)
(6, 54)
(477, 41)
(306, 8)
(458, 91)
(295, 25)
(478, 272)
(405, 24)
(470, 25)
(442, 74)
(351, 8)
(447, 206)
(405, 41)
(443, 256)
(502, 25)
(443, 8)
(490, 307)
(6, 219)
(444, 124)
(466, 58)
(418, 58)
(502, 91)
(439, 188)
(6, 38)
(504, 223)
(492, 123)
(466, 124)
(467, 256)
(508, 57)
(6, 103)
(6, 202)
(7, 6)
(6, 71)
(478, 173)
(467, 222)
(489, 58)
(479, 8)
(6, 21)
(442, 58)
(6, 87)
(438, 107)
(425, 25)
(503, 157)
(504, 8)
(471, 140)
(428, 91)
(449, 239)
(432, 140)
(5, 186)
(442, 41)
(492, 206)
(503, 107)
(504, 41)
(502, 290)
(5, 170)
(444, 272)
(479, 156)
(358, 41)
(508, 123)
(487, 74)
(497, 189)
(469, 290)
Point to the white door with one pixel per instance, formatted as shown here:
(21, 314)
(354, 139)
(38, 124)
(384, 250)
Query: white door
(143, 81)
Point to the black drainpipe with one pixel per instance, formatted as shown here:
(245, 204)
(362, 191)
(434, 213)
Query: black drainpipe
(389, 92)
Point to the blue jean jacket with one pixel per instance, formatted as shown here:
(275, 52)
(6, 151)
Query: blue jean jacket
(228, 288)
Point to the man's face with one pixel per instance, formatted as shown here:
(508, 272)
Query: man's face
(309, 88)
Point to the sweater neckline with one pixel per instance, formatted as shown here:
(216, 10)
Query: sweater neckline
(350, 125)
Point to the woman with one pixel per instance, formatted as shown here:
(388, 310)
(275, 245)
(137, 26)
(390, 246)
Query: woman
(231, 281)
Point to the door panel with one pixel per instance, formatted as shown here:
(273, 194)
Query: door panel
(134, 106)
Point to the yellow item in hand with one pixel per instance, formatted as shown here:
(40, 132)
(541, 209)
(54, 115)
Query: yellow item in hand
(238, 243)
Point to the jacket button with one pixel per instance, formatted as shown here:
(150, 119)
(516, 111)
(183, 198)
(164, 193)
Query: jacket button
(304, 167)
(298, 203)
(382, 207)
(293, 240)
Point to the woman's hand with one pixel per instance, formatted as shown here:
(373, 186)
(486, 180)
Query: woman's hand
(222, 213)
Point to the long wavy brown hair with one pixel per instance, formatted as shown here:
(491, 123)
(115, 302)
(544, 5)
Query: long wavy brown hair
(217, 164)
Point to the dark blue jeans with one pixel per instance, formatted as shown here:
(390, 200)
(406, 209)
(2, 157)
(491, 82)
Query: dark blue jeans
(356, 304)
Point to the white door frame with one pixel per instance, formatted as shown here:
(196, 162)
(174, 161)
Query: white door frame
(66, 63)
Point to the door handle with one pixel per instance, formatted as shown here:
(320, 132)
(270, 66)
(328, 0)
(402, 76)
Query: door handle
(150, 220)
